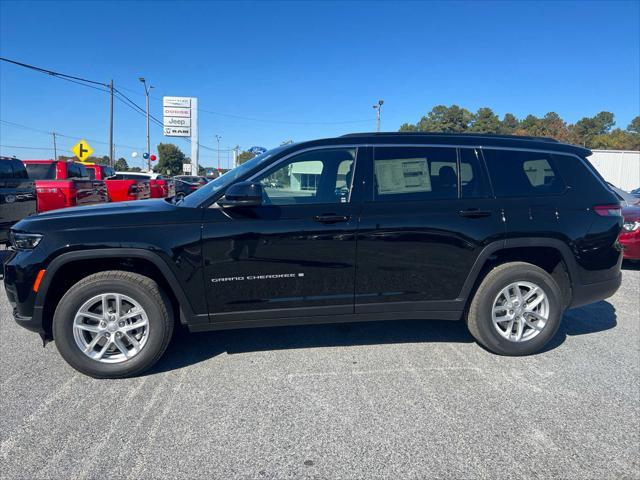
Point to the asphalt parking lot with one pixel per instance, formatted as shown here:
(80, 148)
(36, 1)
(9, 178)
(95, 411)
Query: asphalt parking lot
(403, 399)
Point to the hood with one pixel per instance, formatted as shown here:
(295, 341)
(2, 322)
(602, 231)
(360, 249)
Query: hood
(103, 215)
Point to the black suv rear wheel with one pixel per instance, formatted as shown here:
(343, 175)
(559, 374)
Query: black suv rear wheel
(516, 310)
(113, 324)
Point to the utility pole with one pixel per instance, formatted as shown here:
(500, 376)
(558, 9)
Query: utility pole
(146, 92)
(111, 124)
(55, 147)
(218, 138)
(378, 108)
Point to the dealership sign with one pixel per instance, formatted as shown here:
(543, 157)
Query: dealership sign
(176, 113)
(176, 102)
(180, 119)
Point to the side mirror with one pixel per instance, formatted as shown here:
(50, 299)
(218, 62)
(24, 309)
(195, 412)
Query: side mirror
(242, 194)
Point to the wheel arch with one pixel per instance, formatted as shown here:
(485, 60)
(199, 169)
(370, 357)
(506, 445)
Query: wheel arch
(67, 269)
(550, 254)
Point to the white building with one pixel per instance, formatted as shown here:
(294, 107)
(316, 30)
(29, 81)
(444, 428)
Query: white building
(618, 167)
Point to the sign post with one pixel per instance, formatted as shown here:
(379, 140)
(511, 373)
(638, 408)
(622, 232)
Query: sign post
(180, 119)
(194, 136)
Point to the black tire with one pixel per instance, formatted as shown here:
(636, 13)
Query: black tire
(479, 316)
(140, 288)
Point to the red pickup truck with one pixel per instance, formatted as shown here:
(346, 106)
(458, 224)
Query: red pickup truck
(120, 190)
(161, 186)
(61, 184)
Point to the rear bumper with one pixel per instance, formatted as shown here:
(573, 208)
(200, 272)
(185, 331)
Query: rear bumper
(594, 292)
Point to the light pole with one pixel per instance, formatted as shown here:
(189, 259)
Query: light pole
(218, 138)
(146, 92)
(378, 108)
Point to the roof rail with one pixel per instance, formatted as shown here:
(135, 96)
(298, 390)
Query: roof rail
(451, 134)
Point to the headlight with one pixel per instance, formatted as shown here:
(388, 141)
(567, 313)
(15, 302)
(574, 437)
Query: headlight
(631, 226)
(25, 241)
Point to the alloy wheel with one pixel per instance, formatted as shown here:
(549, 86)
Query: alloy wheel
(520, 311)
(111, 328)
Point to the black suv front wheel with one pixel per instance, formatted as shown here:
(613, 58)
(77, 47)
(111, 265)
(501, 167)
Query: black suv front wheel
(516, 310)
(113, 324)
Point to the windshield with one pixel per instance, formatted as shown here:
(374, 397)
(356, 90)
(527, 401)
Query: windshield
(211, 188)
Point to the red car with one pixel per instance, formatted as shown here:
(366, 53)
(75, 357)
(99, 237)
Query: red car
(61, 184)
(120, 189)
(630, 235)
(161, 186)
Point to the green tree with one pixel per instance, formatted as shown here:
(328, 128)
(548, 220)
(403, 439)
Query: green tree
(121, 165)
(441, 118)
(408, 127)
(244, 156)
(170, 159)
(587, 128)
(634, 126)
(135, 169)
(509, 124)
(551, 125)
(485, 121)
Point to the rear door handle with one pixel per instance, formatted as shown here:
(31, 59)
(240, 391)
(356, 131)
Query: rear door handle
(331, 218)
(474, 213)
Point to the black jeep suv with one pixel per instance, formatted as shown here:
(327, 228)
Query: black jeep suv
(503, 232)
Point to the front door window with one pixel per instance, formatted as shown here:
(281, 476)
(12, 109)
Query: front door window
(315, 177)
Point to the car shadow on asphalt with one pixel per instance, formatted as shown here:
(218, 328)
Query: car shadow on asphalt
(190, 348)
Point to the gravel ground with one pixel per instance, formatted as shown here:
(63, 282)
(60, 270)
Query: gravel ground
(382, 400)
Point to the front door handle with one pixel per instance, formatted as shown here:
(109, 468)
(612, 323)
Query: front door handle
(474, 213)
(331, 218)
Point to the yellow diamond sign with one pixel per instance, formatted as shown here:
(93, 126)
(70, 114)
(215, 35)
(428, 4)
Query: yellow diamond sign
(82, 150)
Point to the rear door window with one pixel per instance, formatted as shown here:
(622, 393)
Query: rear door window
(520, 173)
(403, 174)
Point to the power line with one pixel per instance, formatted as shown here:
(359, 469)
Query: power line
(72, 137)
(52, 73)
(26, 148)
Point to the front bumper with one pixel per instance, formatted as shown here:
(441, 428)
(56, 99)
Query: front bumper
(33, 323)
(631, 245)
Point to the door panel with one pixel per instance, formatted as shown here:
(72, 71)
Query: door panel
(415, 248)
(290, 256)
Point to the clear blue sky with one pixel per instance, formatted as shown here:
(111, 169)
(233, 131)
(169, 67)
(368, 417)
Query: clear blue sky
(288, 64)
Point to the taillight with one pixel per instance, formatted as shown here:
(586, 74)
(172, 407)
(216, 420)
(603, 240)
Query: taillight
(613, 210)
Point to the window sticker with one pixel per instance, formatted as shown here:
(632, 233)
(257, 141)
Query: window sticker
(407, 175)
